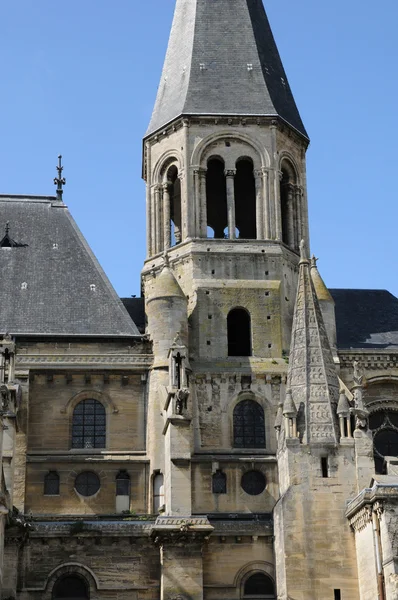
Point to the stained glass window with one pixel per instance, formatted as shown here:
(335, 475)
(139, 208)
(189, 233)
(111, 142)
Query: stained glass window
(51, 484)
(89, 425)
(87, 483)
(249, 428)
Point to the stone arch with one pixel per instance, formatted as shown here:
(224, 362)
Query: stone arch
(290, 205)
(71, 568)
(105, 399)
(286, 160)
(250, 569)
(258, 153)
(167, 159)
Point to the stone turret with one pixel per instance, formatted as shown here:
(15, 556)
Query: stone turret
(317, 471)
(167, 314)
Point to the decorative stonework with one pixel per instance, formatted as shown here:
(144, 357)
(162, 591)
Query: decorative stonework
(361, 519)
(135, 361)
(172, 530)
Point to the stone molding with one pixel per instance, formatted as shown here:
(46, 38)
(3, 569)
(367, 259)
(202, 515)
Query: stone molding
(181, 530)
(369, 359)
(361, 519)
(371, 500)
(115, 361)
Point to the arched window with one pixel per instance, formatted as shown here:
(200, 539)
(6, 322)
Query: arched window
(174, 186)
(122, 492)
(216, 197)
(245, 199)
(239, 333)
(249, 428)
(89, 425)
(158, 492)
(289, 210)
(384, 425)
(51, 484)
(71, 587)
(259, 586)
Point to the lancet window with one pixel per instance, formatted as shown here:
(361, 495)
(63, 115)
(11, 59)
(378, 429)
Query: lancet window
(51, 484)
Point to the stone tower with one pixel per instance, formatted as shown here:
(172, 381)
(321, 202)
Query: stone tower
(224, 164)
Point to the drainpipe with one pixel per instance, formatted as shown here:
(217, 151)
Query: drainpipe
(379, 558)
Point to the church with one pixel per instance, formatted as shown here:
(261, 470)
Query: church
(232, 434)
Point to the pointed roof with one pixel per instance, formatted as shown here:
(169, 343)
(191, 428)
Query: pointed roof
(51, 282)
(312, 376)
(222, 59)
(322, 291)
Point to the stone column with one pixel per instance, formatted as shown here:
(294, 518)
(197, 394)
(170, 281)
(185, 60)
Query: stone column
(157, 237)
(200, 202)
(276, 222)
(266, 205)
(166, 216)
(258, 179)
(148, 201)
(290, 214)
(230, 177)
(181, 541)
(187, 212)
(299, 224)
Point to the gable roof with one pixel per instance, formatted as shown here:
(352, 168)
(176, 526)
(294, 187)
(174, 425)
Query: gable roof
(51, 282)
(366, 318)
(222, 59)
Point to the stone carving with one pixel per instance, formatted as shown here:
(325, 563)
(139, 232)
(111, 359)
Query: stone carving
(4, 397)
(181, 400)
(359, 411)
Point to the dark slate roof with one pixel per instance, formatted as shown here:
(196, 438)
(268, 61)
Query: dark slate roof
(136, 309)
(206, 67)
(366, 318)
(46, 281)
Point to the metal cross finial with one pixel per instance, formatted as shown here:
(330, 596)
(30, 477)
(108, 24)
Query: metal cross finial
(59, 181)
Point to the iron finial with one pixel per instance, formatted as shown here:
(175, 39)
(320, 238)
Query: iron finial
(59, 181)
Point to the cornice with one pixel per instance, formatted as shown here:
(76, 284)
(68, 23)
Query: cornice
(100, 361)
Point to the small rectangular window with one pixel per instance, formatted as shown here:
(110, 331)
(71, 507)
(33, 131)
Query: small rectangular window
(219, 483)
(325, 466)
(337, 594)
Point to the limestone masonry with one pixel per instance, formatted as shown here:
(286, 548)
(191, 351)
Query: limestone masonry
(231, 435)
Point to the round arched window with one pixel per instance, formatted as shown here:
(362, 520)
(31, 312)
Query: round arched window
(253, 482)
(89, 425)
(259, 585)
(71, 587)
(87, 483)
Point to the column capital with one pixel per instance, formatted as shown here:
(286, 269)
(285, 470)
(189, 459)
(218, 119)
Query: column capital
(258, 173)
(199, 171)
(230, 172)
(165, 186)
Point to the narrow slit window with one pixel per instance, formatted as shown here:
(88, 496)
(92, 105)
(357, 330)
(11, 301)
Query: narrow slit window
(337, 594)
(325, 466)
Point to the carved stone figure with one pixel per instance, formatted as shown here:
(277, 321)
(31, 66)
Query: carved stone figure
(181, 400)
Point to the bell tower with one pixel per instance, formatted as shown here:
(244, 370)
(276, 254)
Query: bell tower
(224, 165)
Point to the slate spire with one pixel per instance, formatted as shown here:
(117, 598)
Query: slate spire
(312, 376)
(222, 59)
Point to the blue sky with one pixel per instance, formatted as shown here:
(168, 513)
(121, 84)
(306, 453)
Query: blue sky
(80, 78)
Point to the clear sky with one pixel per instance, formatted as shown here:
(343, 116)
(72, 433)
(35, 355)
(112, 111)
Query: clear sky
(80, 77)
